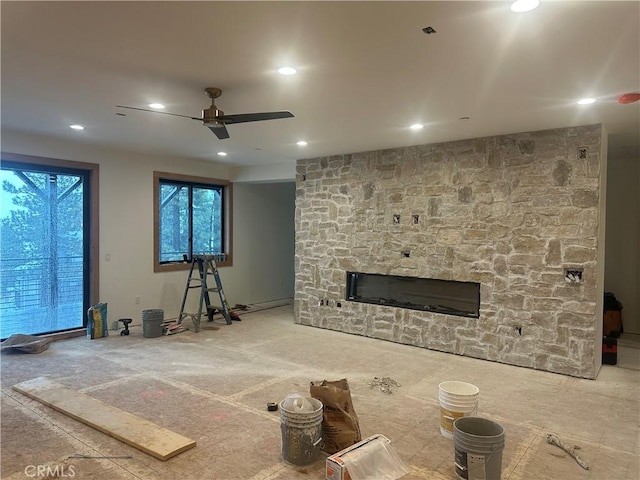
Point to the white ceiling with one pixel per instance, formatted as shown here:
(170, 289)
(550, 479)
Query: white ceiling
(366, 71)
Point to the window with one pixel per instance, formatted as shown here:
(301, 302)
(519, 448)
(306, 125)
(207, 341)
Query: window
(192, 216)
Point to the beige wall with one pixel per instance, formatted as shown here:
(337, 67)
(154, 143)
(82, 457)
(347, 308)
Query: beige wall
(622, 270)
(264, 241)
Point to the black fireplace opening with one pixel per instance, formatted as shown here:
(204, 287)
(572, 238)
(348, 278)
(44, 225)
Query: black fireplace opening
(426, 294)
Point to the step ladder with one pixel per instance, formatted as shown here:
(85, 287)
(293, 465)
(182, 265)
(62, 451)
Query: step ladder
(206, 268)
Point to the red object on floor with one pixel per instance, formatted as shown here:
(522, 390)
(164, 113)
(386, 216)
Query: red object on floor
(609, 351)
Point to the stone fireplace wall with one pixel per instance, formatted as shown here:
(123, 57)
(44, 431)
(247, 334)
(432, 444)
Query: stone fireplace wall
(511, 212)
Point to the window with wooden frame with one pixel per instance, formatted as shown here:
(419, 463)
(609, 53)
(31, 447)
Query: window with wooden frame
(192, 216)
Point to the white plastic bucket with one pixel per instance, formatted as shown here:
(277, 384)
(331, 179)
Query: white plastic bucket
(478, 445)
(301, 433)
(456, 399)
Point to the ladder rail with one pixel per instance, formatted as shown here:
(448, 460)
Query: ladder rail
(212, 269)
(186, 292)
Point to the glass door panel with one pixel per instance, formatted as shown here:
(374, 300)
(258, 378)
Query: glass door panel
(43, 240)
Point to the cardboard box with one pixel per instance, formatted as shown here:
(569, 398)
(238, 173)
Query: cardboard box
(335, 467)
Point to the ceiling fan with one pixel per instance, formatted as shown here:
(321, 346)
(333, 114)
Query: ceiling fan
(216, 120)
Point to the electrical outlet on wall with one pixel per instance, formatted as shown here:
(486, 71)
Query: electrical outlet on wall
(573, 275)
(582, 153)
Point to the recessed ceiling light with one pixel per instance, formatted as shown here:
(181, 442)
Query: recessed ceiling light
(222, 154)
(301, 143)
(520, 6)
(417, 126)
(76, 127)
(287, 71)
(586, 101)
(158, 106)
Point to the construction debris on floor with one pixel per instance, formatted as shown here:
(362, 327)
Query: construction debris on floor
(172, 328)
(555, 440)
(384, 384)
(26, 343)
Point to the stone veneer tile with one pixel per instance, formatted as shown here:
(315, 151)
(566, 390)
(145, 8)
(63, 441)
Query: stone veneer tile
(510, 212)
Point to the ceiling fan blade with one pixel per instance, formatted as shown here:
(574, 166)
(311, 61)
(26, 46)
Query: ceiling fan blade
(157, 111)
(220, 132)
(253, 117)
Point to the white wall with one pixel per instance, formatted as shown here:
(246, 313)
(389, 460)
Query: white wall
(280, 172)
(622, 268)
(263, 229)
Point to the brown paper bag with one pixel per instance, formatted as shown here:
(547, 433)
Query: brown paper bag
(340, 428)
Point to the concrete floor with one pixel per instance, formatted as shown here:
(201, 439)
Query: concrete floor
(213, 387)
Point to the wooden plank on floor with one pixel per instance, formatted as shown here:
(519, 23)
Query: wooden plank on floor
(135, 431)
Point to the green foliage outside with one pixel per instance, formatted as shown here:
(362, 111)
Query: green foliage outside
(178, 215)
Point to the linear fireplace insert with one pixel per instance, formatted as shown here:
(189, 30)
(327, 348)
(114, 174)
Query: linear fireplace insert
(415, 293)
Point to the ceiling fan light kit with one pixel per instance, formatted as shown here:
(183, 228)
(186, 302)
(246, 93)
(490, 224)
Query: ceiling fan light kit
(216, 120)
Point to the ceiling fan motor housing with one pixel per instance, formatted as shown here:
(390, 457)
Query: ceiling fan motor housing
(209, 117)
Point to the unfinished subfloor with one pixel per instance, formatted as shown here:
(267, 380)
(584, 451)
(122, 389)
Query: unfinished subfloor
(213, 387)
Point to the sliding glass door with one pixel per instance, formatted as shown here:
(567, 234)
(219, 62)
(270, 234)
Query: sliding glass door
(44, 248)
